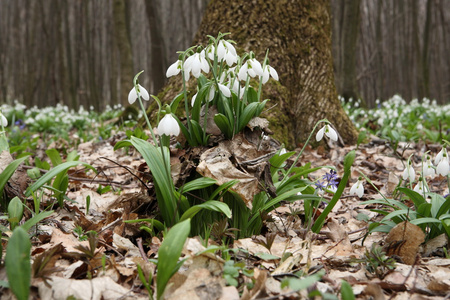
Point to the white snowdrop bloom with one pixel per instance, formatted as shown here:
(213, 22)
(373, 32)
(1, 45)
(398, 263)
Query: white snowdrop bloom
(174, 69)
(443, 167)
(409, 173)
(421, 187)
(268, 70)
(329, 132)
(3, 120)
(428, 169)
(210, 51)
(195, 64)
(357, 189)
(168, 126)
(283, 151)
(227, 52)
(251, 67)
(133, 94)
(224, 89)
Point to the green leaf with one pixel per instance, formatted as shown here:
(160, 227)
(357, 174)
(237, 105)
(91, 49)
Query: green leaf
(36, 219)
(224, 125)
(209, 205)
(160, 168)
(17, 261)
(8, 171)
(54, 172)
(301, 284)
(197, 184)
(347, 291)
(155, 223)
(169, 253)
(54, 156)
(414, 196)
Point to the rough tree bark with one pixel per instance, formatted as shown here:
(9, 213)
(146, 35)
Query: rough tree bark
(124, 45)
(298, 35)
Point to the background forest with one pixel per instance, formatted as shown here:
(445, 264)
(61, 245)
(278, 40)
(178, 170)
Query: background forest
(86, 52)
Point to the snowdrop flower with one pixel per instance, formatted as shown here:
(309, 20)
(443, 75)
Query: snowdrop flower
(224, 89)
(195, 64)
(3, 120)
(227, 52)
(443, 166)
(421, 187)
(409, 173)
(133, 95)
(282, 151)
(168, 126)
(268, 70)
(428, 169)
(251, 67)
(174, 69)
(329, 132)
(357, 189)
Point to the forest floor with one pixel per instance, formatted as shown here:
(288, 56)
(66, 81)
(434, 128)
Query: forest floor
(341, 251)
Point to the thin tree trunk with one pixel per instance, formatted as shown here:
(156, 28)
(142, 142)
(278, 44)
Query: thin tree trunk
(122, 40)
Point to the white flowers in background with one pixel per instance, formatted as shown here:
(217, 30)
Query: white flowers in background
(268, 70)
(251, 67)
(174, 68)
(168, 126)
(357, 188)
(328, 131)
(421, 187)
(195, 64)
(409, 173)
(133, 94)
(3, 120)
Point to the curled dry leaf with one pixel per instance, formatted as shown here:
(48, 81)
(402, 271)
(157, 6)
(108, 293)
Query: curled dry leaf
(404, 240)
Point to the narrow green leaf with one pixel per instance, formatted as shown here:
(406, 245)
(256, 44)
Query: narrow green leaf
(197, 184)
(36, 219)
(169, 253)
(224, 125)
(54, 172)
(17, 261)
(209, 205)
(8, 171)
(347, 291)
(54, 156)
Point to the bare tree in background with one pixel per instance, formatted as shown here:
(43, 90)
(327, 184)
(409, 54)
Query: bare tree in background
(66, 52)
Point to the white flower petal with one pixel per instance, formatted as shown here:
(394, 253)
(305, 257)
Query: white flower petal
(331, 133)
(168, 126)
(242, 75)
(256, 66)
(443, 167)
(4, 121)
(265, 76)
(193, 99)
(132, 96)
(438, 157)
(143, 92)
(230, 48)
(357, 189)
(210, 51)
(319, 134)
(174, 69)
(221, 51)
(225, 90)
(273, 73)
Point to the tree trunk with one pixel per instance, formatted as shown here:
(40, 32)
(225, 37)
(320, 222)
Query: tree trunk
(122, 39)
(297, 33)
(349, 38)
